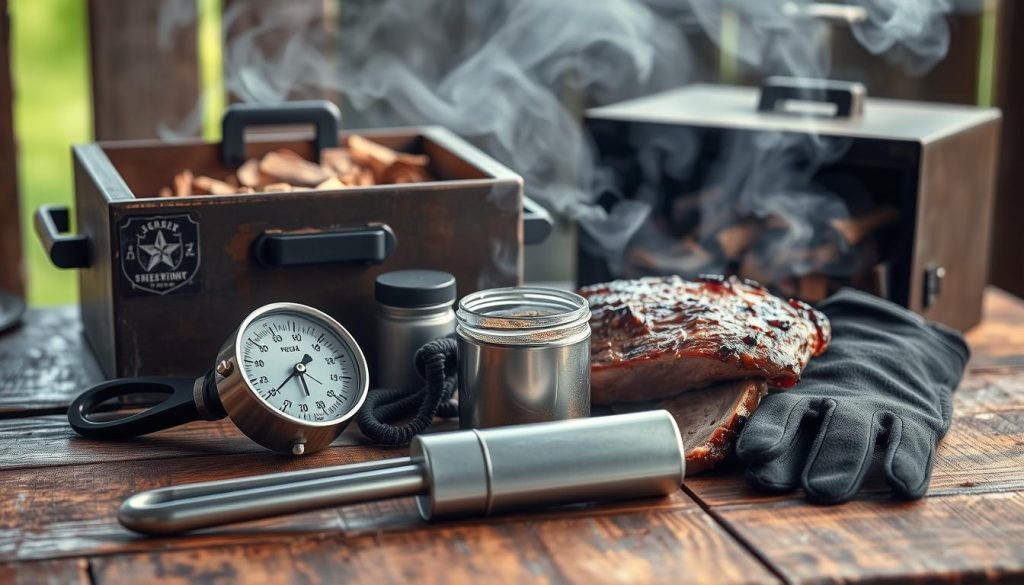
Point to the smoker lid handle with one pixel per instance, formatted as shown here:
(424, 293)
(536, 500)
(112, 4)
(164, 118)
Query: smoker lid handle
(847, 96)
(324, 116)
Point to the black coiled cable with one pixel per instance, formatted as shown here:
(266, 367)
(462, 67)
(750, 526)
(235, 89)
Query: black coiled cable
(437, 364)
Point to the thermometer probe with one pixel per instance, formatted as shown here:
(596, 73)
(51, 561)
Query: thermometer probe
(456, 474)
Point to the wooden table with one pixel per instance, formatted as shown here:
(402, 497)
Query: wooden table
(59, 495)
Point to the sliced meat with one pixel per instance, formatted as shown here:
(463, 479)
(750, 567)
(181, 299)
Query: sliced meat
(655, 337)
(709, 419)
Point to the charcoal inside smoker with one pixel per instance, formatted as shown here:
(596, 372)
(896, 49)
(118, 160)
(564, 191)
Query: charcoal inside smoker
(687, 258)
(655, 337)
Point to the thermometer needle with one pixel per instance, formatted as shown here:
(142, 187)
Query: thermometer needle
(290, 376)
(305, 388)
(310, 376)
(300, 368)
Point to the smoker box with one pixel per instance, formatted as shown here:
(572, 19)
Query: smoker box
(931, 166)
(213, 259)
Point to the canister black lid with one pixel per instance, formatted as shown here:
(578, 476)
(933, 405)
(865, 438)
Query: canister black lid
(415, 288)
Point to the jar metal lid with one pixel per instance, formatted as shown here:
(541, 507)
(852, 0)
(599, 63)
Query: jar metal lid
(524, 316)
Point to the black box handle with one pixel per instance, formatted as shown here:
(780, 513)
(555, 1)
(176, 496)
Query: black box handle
(848, 96)
(324, 116)
(537, 222)
(371, 244)
(52, 223)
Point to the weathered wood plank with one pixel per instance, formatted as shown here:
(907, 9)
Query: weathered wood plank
(999, 339)
(48, 441)
(44, 363)
(69, 511)
(975, 538)
(50, 572)
(983, 451)
(669, 546)
(48, 512)
(145, 69)
(401, 515)
(12, 273)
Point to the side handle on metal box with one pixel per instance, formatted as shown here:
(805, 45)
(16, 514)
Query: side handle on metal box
(52, 223)
(371, 244)
(847, 96)
(537, 222)
(324, 116)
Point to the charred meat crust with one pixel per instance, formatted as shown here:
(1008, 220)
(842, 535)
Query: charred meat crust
(655, 337)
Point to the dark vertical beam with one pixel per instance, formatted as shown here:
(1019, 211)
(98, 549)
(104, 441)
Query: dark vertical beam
(954, 79)
(1007, 268)
(12, 273)
(145, 68)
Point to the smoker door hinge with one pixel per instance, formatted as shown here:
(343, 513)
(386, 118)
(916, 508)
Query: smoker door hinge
(933, 277)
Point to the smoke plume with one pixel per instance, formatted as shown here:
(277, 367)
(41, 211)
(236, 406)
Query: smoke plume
(513, 76)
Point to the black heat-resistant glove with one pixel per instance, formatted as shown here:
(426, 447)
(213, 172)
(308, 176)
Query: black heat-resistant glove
(886, 380)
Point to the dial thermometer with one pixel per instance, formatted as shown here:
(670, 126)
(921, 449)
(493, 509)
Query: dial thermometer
(290, 377)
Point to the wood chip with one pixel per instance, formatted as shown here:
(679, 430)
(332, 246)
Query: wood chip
(333, 183)
(403, 172)
(369, 153)
(813, 287)
(183, 183)
(337, 161)
(736, 239)
(288, 167)
(366, 178)
(362, 163)
(277, 187)
(249, 173)
(211, 186)
(855, 229)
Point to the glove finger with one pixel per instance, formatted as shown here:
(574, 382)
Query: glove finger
(773, 428)
(909, 458)
(841, 455)
(782, 474)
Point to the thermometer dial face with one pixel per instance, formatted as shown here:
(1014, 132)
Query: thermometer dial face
(301, 366)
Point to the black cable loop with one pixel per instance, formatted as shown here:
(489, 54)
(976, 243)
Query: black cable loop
(437, 364)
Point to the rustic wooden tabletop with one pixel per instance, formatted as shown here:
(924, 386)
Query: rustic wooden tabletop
(60, 494)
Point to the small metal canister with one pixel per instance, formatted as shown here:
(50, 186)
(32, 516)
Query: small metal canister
(524, 357)
(414, 307)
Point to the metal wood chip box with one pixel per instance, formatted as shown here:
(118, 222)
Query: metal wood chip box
(805, 186)
(163, 280)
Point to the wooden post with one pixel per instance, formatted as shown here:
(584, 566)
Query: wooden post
(145, 68)
(1007, 267)
(954, 79)
(12, 274)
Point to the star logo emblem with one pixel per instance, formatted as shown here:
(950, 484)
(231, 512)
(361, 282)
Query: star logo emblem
(160, 251)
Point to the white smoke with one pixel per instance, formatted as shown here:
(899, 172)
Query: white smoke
(514, 76)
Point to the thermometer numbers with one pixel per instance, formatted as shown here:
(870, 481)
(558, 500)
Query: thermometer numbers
(300, 367)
